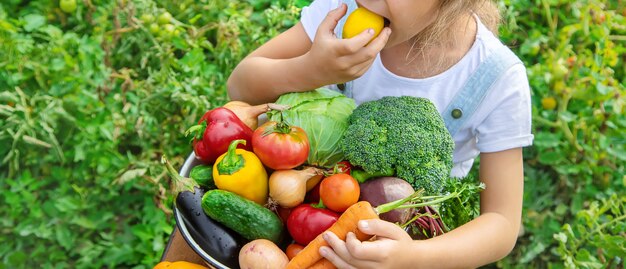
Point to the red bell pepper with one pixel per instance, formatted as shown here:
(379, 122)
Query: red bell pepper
(306, 222)
(214, 132)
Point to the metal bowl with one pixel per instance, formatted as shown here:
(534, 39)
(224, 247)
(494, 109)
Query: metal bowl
(195, 240)
(188, 232)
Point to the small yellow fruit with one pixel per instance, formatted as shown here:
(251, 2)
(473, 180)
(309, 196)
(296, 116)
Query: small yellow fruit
(548, 103)
(360, 20)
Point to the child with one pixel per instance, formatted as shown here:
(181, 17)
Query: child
(429, 48)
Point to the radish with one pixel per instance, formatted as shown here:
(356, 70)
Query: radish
(382, 190)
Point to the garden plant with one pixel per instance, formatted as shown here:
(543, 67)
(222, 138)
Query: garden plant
(93, 93)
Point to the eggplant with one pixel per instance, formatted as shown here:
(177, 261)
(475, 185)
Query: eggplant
(218, 241)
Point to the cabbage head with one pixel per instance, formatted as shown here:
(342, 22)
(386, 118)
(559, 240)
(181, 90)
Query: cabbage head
(323, 114)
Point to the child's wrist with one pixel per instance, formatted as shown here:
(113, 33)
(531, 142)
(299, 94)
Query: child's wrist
(416, 254)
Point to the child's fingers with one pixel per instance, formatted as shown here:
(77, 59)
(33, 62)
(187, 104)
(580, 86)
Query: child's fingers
(327, 26)
(338, 255)
(362, 250)
(337, 244)
(331, 256)
(357, 43)
(380, 41)
(382, 228)
(374, 47)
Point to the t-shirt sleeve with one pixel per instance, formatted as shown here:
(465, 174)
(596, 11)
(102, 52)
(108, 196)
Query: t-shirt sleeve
(312, 15)
(508, 123)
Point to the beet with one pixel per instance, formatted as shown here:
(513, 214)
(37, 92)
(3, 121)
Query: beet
(382, 190)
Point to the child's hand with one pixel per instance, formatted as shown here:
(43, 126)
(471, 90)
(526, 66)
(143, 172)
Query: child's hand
(339, 60)
(387, 251)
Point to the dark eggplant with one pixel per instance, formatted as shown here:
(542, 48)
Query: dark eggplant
(220, 242)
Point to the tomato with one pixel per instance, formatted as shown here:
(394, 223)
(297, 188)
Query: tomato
(280, 146)
(307, 222)
(293, 250)
(154, 28)
(548, 103)
(164, 18)
(343, 167)
(147, 18)
(339, 191)
(168, 31)
(67, 6)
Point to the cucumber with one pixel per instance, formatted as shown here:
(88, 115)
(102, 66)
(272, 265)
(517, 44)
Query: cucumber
(203, 175)
(249, 219)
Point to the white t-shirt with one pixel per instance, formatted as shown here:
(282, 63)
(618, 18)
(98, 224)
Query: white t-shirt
(503, 120)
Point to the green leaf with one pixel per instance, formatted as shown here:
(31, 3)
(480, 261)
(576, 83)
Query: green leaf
(551, 157)
(33, 21)
(535, 248)
(567, 116)
(548, 140)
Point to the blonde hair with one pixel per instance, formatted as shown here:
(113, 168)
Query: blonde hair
(449, 11)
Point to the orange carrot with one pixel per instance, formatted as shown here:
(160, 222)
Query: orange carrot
(347, 222)
(323, 264)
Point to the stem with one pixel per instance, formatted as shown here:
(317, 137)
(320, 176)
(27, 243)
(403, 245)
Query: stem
(197, 130)
(277, 107)
(432, 202)
(545, 121)
(362, 176)
(319, 205)
(232, 162)
(384, 208)
(180, 183)
(600, 228)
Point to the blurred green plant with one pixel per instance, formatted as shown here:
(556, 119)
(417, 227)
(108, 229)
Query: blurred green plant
(574, 52)
(92, 96)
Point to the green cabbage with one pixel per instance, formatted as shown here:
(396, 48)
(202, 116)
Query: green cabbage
(323, 114)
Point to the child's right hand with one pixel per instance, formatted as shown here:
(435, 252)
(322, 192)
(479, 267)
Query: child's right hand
(339, 60)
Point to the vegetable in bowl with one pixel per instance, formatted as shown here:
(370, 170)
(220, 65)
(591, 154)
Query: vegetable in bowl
(323, 114)
(400, 136)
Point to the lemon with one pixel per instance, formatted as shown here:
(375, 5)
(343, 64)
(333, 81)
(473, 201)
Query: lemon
(360, 20)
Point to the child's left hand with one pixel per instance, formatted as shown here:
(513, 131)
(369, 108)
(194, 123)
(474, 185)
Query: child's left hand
(387, 251)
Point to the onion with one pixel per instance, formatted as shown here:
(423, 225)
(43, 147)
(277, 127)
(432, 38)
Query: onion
(249, 114)
(288, 187)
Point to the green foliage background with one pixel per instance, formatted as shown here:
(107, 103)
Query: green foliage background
(90, 100)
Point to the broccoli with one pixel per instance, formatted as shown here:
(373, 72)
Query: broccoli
(405, 136)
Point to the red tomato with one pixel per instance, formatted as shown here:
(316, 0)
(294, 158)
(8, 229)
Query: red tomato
(292, 250)
(280, 146)
(343, 167)
(339, 191)
(306, 222)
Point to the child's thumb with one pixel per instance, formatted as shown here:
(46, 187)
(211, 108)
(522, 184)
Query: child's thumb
(381, 228)
(327, 27)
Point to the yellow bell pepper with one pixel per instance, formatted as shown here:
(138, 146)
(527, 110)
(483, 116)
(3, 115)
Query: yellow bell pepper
(241, 172)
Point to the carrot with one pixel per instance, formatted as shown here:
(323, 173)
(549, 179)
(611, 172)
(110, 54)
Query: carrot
(348, 221)
(323, 264)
